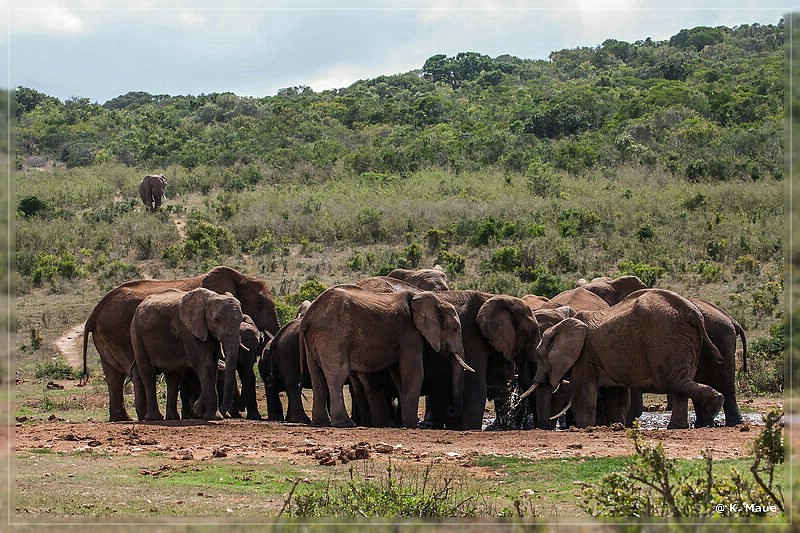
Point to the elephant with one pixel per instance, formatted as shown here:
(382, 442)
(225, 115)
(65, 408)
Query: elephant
(151, 191)
(280, 369)
(350, 330)
(612, 290)
(175, 330)
(427, 279)
(497, 331)
(723, 331)
(534, 301)
(109, 324)
(242, 400)
(386, 284)
(578, 298)
(652, 339)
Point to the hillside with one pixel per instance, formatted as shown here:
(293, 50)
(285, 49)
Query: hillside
(661, 159)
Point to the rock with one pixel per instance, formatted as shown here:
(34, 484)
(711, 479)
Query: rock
(617, 426)
(219, 452)
(744, 427)
(52, 385)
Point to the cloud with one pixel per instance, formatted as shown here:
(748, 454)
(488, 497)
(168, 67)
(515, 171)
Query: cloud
(45, 16)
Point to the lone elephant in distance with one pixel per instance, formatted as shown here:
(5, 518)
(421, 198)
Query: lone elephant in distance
(176, 330)
(151, 191)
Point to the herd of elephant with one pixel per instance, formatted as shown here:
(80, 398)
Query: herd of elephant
(589, 353)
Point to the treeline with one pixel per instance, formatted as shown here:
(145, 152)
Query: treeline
(707, 104)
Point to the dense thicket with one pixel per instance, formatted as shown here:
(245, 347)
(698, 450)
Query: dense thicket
(705, 104)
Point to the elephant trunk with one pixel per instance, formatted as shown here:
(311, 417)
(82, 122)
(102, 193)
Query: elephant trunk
(457, 384)
(230, 352)
(544, 397)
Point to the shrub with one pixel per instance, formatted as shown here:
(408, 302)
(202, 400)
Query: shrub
(645, 232)
(505, 259)
(50, 267)
(454, 264)
(435, 239)
(56, 369)
(413, 254)
(647, 273)
(32, 206)
(655, 486)
(765, 369)
(709, 271)
(263, 245)
(490, 228)
(109, 212)
(574, 222)
(206, 240)
(542, 180)
(119, 270)
(696, 201)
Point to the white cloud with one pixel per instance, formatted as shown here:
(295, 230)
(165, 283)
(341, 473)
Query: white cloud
(48, 16)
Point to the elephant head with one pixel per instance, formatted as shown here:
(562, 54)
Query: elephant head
(558, 351)
(203, 313)
(611, 290)
(510, 326)
(439, 324)
(427, 279)
(253, 294)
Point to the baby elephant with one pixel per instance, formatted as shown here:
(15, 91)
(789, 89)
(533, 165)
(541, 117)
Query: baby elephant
(175, 330)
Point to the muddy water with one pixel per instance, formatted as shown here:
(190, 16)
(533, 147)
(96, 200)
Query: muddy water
(660, 419)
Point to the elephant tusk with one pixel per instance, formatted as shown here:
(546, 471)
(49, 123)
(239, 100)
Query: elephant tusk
(563, 411)
(221, 350)
(557, 387)
(268, 334)
(462, 363)
(243, 347)
(529, 391)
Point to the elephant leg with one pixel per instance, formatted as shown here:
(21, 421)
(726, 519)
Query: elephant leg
(173, 383)
(637, 406)
(148, 378)
(319, 409)
(139, 394)
(115, 381)
(733, 417)
(410, 386)
(680, 412)
(207, 372)
(248, 393)
(700, 394)
(615, 404)
(339, 417)
(295, 412)
(378, 401)
(584, 405)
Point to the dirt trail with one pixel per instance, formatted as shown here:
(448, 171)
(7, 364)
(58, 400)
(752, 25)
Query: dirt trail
(70, 345)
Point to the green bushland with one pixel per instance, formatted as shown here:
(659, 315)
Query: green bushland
(662, 159)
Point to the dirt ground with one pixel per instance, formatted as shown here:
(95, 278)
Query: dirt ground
(300, 444)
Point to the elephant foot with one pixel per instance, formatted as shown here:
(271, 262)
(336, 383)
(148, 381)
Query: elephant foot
(731, 421)
(173, 416)
(320, 423)
(253, 416)
(300, 420)
(213, 416)
(424, 424)
(119, 417)
(153, 417)
(271, 418)
(345, 423)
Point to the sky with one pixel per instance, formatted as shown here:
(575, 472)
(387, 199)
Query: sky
(100, 49)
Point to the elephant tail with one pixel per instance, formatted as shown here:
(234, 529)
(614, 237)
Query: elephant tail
(303, 349)
(740, 333)
(88, 327)
(706, 339)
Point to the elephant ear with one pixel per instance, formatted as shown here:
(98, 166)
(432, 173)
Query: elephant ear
(626, 285)
(502, 322)
(425, 312)
(563, 344)
(192, 312)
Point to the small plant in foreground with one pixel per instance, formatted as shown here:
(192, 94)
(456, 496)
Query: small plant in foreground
(424, 495)
(654, 486)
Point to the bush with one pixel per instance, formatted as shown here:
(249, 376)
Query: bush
(56, 369)
(647, 273)
(490, 228)
(50, 267)
(207, 241)
(454, 264)
(655, 486)
(765, 369)
(32, 206)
